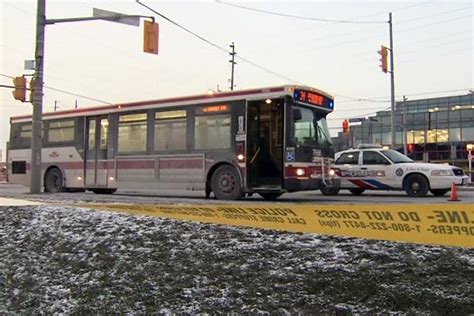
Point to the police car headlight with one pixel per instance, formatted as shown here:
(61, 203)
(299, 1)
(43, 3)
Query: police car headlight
(440, 173)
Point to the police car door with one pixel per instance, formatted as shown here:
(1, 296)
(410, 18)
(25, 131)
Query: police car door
(348, 168)
(378, 171)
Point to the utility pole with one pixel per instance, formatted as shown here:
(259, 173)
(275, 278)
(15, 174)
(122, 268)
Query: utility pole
(233, 63)
(56, 105)
(392, 82)
(37, 118)
(405, 125)
(75, 105)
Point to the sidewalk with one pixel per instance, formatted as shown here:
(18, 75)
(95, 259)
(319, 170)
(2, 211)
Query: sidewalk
(17, 202)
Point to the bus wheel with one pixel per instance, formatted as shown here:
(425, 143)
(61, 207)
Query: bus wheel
(270, 195)
(225, 183)
(53, 181)
(356, 191)
(104, 191)
(329, 190)
(416, 185)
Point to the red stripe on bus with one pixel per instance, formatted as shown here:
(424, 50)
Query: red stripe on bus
(204, 97)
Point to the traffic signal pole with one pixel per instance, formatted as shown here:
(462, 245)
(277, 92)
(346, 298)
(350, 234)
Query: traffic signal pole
(37, 119)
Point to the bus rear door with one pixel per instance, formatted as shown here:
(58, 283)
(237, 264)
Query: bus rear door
(96, 163)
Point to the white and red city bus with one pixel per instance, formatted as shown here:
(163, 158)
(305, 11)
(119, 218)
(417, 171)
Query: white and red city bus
(267, 141)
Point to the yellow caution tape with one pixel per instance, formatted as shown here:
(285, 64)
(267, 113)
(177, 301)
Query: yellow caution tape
(439, 224)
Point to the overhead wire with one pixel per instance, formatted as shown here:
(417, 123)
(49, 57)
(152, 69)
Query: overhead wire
(299, 17)
(65, 92)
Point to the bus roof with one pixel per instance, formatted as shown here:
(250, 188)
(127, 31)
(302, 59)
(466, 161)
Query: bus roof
(267, 92)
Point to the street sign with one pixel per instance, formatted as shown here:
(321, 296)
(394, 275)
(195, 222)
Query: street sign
(29, 65)
(356, 119)
(121, 18)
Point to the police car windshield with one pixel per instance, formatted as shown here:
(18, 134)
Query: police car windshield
(395, 156)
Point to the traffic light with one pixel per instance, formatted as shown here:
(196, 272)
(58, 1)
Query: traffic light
(383, 52)
(20, 88)
(150, 37)
(345, 126)
(32, 89)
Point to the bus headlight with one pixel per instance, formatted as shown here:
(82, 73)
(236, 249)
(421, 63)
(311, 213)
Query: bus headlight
(111, 178)
(79, 178)
(300, 172)
(240, 157)
(332, 172)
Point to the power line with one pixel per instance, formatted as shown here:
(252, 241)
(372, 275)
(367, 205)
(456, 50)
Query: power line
(299, 17)
(65, 92)
(432, 15)
(217, 46)
(374, 99)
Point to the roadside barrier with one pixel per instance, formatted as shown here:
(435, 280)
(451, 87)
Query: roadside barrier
(438, 224)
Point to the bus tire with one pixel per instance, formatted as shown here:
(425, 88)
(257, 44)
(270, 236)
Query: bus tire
(104, 191)
(329, 191)
(53, 181)
(416, 185)
(356, 191)
(270, 196)
(225, 183)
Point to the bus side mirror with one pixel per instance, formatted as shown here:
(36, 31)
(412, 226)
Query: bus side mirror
(297, 114)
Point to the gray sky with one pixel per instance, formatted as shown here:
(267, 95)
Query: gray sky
(104, 61)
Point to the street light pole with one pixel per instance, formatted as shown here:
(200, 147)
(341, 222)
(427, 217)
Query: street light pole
(392, 82)
(405, 125)
(37, 119)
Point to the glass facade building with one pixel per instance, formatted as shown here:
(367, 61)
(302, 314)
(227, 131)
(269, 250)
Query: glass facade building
(429, 130)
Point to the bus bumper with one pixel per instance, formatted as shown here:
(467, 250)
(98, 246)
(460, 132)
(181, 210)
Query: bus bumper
(295, 184)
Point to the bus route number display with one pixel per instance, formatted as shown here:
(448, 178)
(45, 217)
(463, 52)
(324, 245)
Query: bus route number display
(312, 98)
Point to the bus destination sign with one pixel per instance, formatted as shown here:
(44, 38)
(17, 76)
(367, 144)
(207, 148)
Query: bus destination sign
(313, 98)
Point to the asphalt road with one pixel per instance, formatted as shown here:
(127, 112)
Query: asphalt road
(465, 195)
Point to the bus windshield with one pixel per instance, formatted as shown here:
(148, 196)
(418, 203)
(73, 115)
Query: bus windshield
(312, 130)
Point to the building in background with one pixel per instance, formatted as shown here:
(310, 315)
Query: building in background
(429, 130)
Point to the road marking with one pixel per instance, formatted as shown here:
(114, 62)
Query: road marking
(438, 224)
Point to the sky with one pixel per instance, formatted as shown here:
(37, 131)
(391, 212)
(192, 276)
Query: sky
(97, 63)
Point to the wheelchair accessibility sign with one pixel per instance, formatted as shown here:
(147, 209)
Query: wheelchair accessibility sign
(290, 156)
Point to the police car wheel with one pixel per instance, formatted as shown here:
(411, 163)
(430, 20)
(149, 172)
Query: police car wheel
(439, 192)
(416, 185)
(357, 191)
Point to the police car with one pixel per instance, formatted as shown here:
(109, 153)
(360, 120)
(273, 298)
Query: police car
(371, 167)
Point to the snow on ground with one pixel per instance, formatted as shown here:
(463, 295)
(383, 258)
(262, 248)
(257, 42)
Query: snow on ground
(57, 259)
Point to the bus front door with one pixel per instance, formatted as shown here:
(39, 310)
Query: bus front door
(96, 167)
(265, 144)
